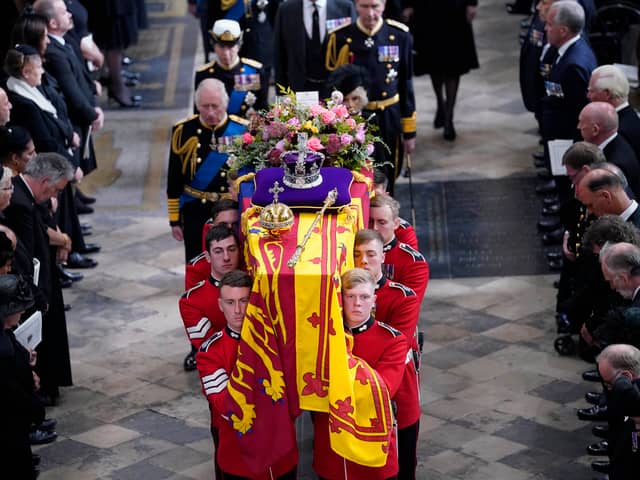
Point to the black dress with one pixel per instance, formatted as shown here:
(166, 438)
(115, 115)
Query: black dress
(443, 38)
(114, 23)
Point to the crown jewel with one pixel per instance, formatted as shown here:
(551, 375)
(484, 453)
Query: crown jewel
(302, 167)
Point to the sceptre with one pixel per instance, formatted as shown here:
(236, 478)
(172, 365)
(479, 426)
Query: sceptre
(329, 200)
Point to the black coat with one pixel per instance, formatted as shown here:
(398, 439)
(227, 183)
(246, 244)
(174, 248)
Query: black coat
(289, 39)
(442, 37)
(531, 82)
(629, 127)
(620, 153)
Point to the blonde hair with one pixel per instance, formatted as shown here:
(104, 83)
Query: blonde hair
(357, 276)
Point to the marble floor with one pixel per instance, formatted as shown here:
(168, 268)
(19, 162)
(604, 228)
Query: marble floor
(498, 402)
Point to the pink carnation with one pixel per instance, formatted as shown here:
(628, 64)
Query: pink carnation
(294, 122)
(360, 136)
(316, 110)
(333, 143)
(280, 146)
(346, 139)
(328, 117)
(315, 144)
(340, 111)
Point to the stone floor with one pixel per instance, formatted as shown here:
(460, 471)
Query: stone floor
(498, 402)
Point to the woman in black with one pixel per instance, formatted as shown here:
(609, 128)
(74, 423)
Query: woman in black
(445, 49)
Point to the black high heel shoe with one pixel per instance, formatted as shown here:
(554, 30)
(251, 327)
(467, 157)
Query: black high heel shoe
(449, 132)
(135, 101)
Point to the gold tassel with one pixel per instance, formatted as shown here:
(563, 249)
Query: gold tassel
(187, 152)
(244, 178)
(333, 60)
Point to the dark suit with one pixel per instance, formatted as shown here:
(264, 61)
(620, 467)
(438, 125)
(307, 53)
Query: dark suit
(635, 217)
(566, 92)
(290, 38)
(619, 152)
(629, 127)
(531, 82)
(78, 89)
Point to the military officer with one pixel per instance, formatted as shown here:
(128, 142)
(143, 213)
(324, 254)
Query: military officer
(197, 164)
(384, 48)
(242, 77)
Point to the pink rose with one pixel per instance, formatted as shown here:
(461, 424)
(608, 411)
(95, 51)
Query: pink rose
(328, 117)
(360, 136)
(370, 148)
(247, 138)
(316, 110)
(346, 139)
(340, 111)
(315, 144)
(350, 122)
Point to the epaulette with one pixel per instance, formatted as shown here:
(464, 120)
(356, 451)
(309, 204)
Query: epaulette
(408, 292)
(339, 27)
(197, 258)
(240, 120)
(206, 66)
(393, 331)
(417, 256)
(192, 289)
(251, 62)
(398, 25)
(404, 223)
(185, 120)
(205, 346)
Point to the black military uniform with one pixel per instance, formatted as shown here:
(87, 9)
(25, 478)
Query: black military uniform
(386, 54)
(245, 77)
(197, 174)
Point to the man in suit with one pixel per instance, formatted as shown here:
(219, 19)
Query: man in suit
(79, 89)
(609, 84)
(598, 124)
(620, 264)
(298, 51)
(603, 193)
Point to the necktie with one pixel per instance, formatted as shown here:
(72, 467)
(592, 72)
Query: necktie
(315, 25)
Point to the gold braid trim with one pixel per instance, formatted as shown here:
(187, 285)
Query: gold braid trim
(244, 219)
(350, 214)
(359, 177)
(334, 60)
(244, 178)
(187, 152)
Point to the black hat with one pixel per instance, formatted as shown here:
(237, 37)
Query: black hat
(13, 139)
(347, 78)
(26, 50)
(15, 295)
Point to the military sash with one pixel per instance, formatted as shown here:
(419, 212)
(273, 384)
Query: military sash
(239, 93)
(235, 11)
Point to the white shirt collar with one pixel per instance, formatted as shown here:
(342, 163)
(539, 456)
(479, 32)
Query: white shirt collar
(621, 106)
(58, 39)
(565, 46)
(607, 141)
(629, 210)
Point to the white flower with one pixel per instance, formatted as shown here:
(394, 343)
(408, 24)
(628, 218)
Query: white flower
(250, 98)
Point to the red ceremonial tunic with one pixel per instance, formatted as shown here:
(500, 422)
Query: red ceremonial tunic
(385, 349)
(216, 360)
(198, 269)
(407, 266)
(405, 233)
(398, 306)
(200, 311)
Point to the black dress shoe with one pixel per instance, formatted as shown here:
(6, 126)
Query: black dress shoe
(538, 156)
(86, 199)
(35, 459)
(595, 413)
(601, 466)
(39, 437)
(553, 238)
(550, 200)
(86, 231)
(67, 275)
(67, 307)
(83, 209)
(66, 283)
(86, 225)
(48, 425)
(189, 363)
(601, 431)
(545, 175)
(552, 209)
(591, 376)
(449, 133)
(556, 284)
(592, 397)
(89, 248)
(549, 224)
(555, 265)
(598, 448)
(540, 164)
(77, 260)
(547, 187)
(554, 255)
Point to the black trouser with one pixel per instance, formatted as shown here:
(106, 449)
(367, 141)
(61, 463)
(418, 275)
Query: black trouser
(193, 215)
(407, 454)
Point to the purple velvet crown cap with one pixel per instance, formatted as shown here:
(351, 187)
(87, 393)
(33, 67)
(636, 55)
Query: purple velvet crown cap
(302, 175)
(291, 157)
